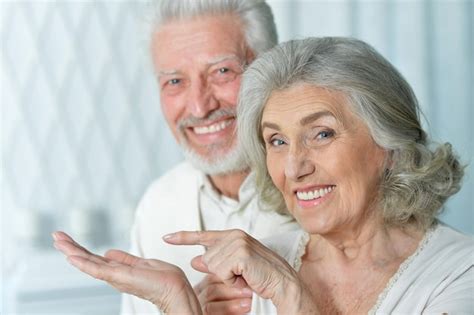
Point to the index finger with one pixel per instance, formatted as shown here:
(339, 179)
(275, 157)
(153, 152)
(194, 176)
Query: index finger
(206, 238)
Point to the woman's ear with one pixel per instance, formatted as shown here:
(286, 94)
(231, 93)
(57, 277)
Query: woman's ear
(388, 163)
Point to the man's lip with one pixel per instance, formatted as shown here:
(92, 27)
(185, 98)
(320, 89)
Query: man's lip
(207, 123)
(212, 129)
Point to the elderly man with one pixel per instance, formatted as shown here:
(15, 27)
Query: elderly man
(200, 49)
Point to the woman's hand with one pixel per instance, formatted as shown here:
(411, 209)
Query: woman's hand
(163, 284)
(239, 261)
(216, 297)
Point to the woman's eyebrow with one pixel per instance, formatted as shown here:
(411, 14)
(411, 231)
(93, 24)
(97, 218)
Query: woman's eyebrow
(270, 125)
(314, 116)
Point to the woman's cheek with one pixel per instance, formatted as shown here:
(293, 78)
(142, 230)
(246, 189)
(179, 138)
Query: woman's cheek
(276, 170)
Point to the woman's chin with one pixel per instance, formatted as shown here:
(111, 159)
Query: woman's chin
(314, 225)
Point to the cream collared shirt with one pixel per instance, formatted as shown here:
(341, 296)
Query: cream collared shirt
(183, 199)
(221, 212)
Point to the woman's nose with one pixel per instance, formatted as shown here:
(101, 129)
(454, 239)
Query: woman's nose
(201, 99)
(298, 165)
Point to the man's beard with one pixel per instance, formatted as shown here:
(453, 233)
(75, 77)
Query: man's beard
(216, 162)
(223, 163)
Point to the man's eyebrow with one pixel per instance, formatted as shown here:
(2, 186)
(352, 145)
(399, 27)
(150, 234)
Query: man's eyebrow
(314, 116)
(223, 58)
(211, 63)
(167, 72)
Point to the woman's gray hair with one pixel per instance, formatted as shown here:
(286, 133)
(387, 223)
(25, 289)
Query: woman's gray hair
(418, 181)
(256, 16)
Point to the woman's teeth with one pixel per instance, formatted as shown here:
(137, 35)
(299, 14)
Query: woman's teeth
(310, 195)
(213, 128)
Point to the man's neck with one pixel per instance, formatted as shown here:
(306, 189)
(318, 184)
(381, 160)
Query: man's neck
(229, 184)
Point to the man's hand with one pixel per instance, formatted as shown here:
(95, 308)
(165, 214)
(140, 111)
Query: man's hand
(163, 284)
(217, 298)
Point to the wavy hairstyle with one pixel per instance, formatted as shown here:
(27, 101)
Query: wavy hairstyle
(420, 178)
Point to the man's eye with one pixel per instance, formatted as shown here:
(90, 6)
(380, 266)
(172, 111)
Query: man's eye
(223, 70)
(223, 75)
(174, 81)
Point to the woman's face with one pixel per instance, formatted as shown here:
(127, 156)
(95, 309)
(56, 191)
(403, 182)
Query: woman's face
(322, 158)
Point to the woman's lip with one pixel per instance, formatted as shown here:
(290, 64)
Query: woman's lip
(314, 194)
(312, 198)
(312, 188)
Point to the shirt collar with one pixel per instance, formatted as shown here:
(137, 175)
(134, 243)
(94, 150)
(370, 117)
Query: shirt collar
(246, 191)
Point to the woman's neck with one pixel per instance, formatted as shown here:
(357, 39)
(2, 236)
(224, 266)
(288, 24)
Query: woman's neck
(375, 244)
(345, 272)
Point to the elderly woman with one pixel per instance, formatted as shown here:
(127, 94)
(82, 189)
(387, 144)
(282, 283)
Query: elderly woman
(333, 132)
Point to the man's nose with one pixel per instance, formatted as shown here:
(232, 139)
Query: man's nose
(298, 165)
(201, 100)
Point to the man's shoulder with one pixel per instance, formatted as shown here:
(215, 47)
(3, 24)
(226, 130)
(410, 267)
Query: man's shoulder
(173, 190)
(177, 176)
(181, 177)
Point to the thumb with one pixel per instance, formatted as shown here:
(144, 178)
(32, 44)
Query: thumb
(198, 264)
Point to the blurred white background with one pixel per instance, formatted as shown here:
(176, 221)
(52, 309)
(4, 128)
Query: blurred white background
(82, 134)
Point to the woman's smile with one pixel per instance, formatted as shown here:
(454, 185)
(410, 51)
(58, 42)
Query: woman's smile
(314, 195)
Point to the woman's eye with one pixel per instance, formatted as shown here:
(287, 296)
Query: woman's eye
(277, 142)
(325, 134)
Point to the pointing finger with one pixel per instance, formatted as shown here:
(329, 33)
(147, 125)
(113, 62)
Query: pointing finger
(206, 238)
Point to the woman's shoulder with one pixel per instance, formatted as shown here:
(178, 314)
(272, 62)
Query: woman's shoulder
(445, 253)
(442, 265)
(446, 239)
(288, 244)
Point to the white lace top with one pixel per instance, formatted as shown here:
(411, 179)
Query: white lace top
(437, 278)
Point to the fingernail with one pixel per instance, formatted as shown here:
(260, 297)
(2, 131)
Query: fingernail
(168, 236)
(58, 246)
(72, 261)
(246, 292)
(245, 303)
(55, 237)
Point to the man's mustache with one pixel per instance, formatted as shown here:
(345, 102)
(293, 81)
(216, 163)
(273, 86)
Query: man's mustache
(192, 121)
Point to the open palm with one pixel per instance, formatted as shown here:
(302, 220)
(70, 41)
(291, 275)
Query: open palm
(161, 283)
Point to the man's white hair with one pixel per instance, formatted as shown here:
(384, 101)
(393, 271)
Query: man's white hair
(256, 16)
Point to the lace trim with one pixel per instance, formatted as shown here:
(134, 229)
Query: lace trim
(401, 269)
(300, 251)
(404, 265)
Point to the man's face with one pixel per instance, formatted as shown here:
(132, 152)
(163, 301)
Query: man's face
(199, 63)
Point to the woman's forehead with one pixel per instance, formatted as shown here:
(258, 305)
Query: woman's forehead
(306, 98)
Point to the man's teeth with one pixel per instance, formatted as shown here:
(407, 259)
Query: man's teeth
(310, 195)
(213, 128)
